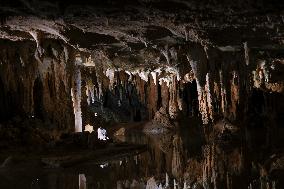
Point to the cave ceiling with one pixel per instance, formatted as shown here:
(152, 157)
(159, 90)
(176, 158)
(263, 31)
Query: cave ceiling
(145, 30)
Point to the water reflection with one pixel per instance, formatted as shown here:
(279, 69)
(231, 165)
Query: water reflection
(173, 160)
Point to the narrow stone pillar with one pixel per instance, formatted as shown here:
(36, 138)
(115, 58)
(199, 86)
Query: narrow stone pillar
(76, 97)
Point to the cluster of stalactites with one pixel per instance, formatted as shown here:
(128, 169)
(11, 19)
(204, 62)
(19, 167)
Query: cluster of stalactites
(210, 92)
(167, 77)
(204, 92)
(212, 89)
(94, 91)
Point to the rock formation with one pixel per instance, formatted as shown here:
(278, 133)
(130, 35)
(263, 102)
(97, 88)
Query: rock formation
(174, 63)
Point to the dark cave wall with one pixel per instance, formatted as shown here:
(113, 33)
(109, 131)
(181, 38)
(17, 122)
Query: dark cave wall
(35, 89)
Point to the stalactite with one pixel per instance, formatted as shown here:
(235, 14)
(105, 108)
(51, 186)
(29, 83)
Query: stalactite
(209, 97)
(76, 98)
(143, 75)
(246, 49)
(110, 73)
(153, 97)
(154, 76)
(165, 53)
(203, 90)
(165, 95)
(173, 106)
(36, 36)
(205, 101)
(234, 94)
(223, 94)
(140, 86)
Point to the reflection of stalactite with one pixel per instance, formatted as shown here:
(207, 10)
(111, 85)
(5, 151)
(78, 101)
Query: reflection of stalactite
(177, 159)
(76, 98)
(90, 91)
(210, 167)
(234, 95)
(222, 167)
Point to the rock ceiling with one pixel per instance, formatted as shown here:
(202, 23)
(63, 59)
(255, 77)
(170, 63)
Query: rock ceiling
(147, 31)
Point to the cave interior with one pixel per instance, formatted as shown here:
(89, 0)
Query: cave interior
(153, 94)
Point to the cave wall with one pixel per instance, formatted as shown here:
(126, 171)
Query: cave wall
(34, 86)
(53, 83)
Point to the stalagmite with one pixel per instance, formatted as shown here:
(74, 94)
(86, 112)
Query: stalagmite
(82, 181)
(167, 180)
(151, 184)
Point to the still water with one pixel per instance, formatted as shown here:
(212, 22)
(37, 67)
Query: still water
(173, 160)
